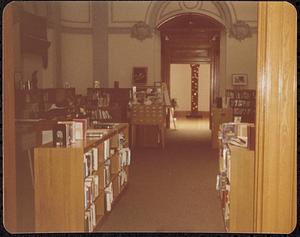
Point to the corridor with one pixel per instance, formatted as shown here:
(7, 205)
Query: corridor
(171, 190)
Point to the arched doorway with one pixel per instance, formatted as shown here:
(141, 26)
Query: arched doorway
(191, 39)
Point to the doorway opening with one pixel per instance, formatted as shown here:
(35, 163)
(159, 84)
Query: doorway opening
(192, 39)
(181, 93)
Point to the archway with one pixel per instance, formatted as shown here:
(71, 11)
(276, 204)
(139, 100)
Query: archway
(191, 38)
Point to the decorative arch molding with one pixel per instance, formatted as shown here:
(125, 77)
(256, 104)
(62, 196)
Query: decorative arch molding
(160, 12)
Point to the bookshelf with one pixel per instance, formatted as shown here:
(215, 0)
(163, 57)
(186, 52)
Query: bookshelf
(108, 104)
(35, 103)
(235, 186)
(243, 103)
(76, 186)
(219, 116)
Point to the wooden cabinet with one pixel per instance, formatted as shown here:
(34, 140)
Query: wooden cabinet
(219, 116)
(148, 125)
(235, 184)
(75, 186)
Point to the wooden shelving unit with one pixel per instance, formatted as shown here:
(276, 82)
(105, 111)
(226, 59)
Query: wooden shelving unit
(219, 116)
(243, 103)
(67, 179)
(235, 186)
(35, 103)
(116, 106)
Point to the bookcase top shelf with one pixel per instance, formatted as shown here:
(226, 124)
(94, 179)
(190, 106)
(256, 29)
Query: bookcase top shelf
(87, 144)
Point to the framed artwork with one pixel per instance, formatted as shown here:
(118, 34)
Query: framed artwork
(139, 75)
(239, 79)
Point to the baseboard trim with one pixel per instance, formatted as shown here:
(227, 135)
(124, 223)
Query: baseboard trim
(181, 114)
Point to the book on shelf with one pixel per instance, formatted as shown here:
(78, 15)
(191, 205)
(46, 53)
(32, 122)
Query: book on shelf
(95, 158)
(91, 189)
(95, 133)
(123, 177)
(80, 128)
(60, 135)
(90, 218)
(106, 173)
(109, 196)
(88, 163)
(121, 140)
(70, 126)
(125, 156)
(106, 149)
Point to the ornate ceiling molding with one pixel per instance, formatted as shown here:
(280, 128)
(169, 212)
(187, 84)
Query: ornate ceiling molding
(153, 16)
(240, 30)
(141, 31)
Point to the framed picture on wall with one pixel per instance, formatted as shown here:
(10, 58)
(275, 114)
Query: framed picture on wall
(239, 79)
(139, 75)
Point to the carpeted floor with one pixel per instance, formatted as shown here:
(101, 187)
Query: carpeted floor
(171, 190)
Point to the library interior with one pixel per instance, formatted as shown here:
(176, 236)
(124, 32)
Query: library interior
(152, 116)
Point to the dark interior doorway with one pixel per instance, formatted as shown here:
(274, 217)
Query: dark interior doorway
(191, 39)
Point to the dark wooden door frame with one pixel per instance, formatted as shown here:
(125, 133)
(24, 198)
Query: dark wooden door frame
(213, 60)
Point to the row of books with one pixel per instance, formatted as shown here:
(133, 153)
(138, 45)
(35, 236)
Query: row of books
(90, 161)
(67, 132)
(242, 103)
(90, 218)
(241, 94)
(100, 114)
(91, 190)
(243, 111)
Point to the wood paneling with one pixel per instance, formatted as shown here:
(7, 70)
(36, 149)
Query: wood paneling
(275, 183)
(9, 173)
(241, 190)
(57, 179)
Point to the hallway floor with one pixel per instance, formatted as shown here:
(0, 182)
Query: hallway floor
(171, 190)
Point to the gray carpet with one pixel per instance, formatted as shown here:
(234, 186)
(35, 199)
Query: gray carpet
(171, 190)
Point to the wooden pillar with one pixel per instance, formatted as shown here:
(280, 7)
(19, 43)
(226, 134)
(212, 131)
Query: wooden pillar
(275, 157)
(9, 159)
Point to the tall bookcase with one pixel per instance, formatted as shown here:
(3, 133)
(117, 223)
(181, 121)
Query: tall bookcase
(76, 186)
(243, 103)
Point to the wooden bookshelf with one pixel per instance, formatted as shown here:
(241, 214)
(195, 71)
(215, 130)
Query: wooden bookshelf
(219, 116)
(116, 106)
(236, 187)
(35, 103)
(243, 103)
(61, 178)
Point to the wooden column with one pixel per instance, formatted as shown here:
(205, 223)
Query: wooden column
(9, 159)
(275, 157)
